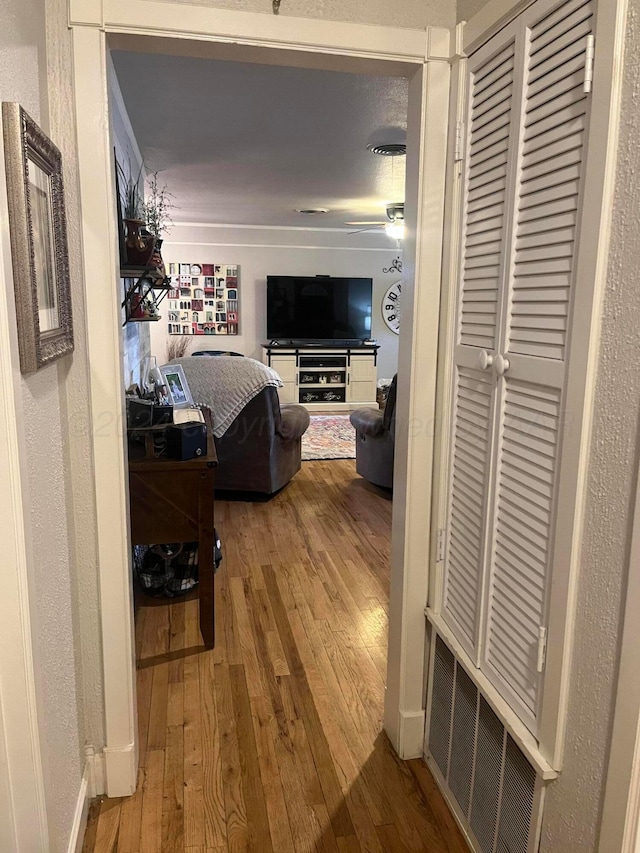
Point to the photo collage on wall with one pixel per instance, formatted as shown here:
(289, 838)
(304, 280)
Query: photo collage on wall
(203, 299)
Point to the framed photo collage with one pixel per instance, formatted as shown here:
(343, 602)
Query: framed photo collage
(203, 299)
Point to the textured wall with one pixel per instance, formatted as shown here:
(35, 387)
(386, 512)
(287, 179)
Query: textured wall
(574, 804)
(466, 9)
(416, 14)
(35, 69)
(256, 262)
(75, 390)
(50, 592)
(22, 57)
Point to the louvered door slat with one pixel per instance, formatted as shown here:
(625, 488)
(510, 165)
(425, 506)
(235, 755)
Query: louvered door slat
(536, 326)
(567, 23)
(562, 12)
(467, 511)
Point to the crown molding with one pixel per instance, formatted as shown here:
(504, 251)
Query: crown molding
(279, 246)
(240, 227)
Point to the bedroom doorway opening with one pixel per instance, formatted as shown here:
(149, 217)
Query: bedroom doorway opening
(418, 252)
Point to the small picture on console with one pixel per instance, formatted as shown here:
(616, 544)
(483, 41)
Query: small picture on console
(177, 386)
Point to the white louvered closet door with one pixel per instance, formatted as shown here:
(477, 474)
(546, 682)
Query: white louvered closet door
(531, 362)
(490, 150)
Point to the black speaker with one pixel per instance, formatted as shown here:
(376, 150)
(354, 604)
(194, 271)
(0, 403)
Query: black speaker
(186, 441)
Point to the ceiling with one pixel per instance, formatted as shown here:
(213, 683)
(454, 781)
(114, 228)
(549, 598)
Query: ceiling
(248, 144)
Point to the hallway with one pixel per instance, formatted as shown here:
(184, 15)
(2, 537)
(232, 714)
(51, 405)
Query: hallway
(272, 741)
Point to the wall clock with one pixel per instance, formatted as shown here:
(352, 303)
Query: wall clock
(391, 310)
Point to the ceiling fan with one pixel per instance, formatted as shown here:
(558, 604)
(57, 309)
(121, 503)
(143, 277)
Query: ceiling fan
(394, 226)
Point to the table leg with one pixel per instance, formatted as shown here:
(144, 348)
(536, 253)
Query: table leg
(205, 559)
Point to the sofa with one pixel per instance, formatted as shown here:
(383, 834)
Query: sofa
(260, 450)
(375, 438)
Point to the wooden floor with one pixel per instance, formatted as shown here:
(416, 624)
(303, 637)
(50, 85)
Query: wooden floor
(272, 741)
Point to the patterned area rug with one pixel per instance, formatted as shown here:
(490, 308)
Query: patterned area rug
(329, 437)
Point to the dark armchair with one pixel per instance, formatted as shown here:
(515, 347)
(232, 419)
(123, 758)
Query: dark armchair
(259, 443)
(261, 450)
(375, 437)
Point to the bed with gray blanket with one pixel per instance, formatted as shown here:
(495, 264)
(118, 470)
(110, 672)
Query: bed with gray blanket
(258, 442)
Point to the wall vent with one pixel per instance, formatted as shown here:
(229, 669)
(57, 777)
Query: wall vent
(486, 776)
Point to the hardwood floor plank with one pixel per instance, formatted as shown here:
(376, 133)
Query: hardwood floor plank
(151, 825)
(257, 823)
(446, 821)
(107, 826)
(340, 819)
(272, 741)
(194, 826)
(214, 813)
(173, 790)
(234, 804)
(131, 819)
(266, 733)
(390, 840)
(158, 718)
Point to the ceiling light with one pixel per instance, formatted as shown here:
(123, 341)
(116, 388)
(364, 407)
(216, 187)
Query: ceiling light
(388, 149)
(312, 211)
(395, 229)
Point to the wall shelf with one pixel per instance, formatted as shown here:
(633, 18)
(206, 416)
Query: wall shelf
(146, 279)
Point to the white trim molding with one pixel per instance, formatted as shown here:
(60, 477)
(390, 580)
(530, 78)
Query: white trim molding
(415, 409)
(100, 255)
(81, 814)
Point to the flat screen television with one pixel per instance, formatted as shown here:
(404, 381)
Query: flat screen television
(319, 309)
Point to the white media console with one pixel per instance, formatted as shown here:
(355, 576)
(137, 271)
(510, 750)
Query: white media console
(325, 378)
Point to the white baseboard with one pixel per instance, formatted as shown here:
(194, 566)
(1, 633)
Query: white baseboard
(411, 734)
(81, 814)
(121, 770)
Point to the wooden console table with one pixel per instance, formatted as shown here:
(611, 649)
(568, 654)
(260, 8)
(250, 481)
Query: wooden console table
(172, 501)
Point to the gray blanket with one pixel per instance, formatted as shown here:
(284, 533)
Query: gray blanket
(226, 384)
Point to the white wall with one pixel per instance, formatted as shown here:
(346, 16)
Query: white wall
(466, 9)
(409, 13)
(281, 252)
(574, 802)
(135, 337)
(35, 70)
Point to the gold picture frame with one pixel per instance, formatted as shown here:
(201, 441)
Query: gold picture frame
(38, 230)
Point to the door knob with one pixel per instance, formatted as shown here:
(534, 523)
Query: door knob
(485, 359)
(501, 365)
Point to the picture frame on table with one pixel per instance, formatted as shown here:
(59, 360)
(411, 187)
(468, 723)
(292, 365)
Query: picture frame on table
(38, 235)
(177, 386)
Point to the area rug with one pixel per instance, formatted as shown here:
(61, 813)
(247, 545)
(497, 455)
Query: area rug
(329, 437)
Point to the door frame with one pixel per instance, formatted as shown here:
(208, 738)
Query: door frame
(422, 55)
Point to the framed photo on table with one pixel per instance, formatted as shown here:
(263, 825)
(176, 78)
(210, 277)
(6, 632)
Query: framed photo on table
(38, 231)
(177, 386)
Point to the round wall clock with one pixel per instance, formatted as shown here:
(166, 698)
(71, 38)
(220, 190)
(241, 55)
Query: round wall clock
(391, 310)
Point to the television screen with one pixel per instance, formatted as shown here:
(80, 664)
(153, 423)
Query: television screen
(318, 308)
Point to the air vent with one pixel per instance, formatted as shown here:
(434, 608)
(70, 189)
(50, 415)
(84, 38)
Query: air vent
(487, 777)
(388, 149)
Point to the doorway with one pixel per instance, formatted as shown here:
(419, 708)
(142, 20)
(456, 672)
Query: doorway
(317, 44)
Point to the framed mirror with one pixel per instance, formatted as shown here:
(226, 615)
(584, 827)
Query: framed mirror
(37, 224)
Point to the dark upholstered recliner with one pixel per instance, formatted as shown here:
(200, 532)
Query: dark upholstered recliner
(261, 450)
(375, 437)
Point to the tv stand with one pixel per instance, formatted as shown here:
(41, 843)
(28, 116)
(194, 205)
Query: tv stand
(325, 377)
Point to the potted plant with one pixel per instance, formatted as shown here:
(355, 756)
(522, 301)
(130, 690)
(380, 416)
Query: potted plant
(156, 211)
(139, 246)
